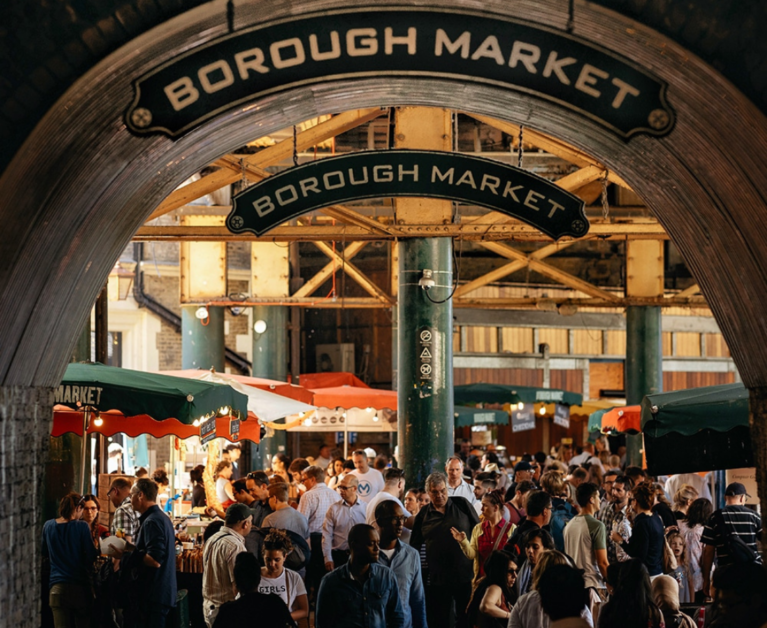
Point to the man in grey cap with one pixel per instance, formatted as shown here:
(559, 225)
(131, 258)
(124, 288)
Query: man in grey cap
(218, 558)
(730, 533)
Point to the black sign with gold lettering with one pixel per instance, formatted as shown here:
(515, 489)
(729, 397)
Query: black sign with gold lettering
(400, 42)
(413, 173)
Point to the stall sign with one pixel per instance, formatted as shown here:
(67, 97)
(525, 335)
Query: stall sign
(522, 420)
(747, 477)
(234, 430)
(207, 430)
(425, 353)
(484, 417)
(470, 48)
(562, 415)
(410, 173)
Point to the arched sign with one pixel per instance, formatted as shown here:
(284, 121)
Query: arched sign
(469, 47)
(411, 173)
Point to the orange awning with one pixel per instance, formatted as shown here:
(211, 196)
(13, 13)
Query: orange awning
(625, 420)
(350, 397)
(330, 380)
(70, 421)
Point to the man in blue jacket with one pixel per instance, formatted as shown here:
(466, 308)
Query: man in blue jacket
(362, 593)
(403, 560)
(150, 565)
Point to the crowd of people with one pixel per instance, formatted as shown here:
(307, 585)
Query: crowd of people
(566, 540)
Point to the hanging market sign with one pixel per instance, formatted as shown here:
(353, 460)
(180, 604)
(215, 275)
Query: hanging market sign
(76, 396)
(208, 430)
(562, 415)
(413, 173)
(408, 42)
(522, 420)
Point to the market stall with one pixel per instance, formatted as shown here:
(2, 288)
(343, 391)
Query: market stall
(697, 430)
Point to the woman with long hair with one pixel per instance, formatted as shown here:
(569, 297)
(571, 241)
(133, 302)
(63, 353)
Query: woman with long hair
(698, 514)
(276, 579)
(91, 510)
(68, 546)
(224, 491)
(528, 612)
(280, 464)
(198, 487)
(488, 535)
(535, 543)
(662, 508)
(411, 501)
(631, 604)
(494, 596)
(685, 496)
(647, 541)
(335, 472)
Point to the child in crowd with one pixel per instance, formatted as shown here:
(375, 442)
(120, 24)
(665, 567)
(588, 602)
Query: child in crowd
(682, 573)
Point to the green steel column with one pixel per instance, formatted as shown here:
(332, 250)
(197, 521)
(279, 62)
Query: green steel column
(202, 346)
(644, 365)
(425, 358)
(270, 360)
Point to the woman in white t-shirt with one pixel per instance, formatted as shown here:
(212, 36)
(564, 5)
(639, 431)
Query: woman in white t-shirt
(223, 484)
(277, 580)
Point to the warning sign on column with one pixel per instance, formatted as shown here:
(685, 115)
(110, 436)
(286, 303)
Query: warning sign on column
(426, 353)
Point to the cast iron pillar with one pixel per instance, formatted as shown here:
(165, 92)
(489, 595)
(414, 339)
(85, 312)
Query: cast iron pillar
(270, 360)
(425, 357)
(202, 340)
(644, 365)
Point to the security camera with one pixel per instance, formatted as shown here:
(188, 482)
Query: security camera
(426, 281)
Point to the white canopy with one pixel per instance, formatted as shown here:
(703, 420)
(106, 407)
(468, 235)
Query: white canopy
(265, 405)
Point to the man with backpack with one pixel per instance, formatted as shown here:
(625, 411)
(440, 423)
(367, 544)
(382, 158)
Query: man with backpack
(561, 511)
(730, 534)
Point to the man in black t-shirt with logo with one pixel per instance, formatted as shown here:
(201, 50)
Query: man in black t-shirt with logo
(730, 533)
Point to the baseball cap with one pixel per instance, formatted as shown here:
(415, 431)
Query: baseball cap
(523, 465)
(736, 488)
(370, 452)
(236, 513)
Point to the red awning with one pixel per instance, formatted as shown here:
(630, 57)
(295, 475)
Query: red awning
(627, 420)
(70, 421)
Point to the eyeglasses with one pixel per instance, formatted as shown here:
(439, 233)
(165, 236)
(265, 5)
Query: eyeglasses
(513, 572)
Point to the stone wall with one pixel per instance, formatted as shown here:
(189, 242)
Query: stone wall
(25, 423)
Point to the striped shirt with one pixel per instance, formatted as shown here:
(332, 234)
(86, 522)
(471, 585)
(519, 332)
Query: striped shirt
(739, 521)
(125, 519)
(314, 505)
(218, 557)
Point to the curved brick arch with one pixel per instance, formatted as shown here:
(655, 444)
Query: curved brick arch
(81, 185)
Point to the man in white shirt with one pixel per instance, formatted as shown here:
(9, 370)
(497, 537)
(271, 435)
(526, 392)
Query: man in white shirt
(323, 460)
(456, 485)
(586, 542)
(394, 485)
(371, 481)
(339, 520)
(218, 558)
(314, 506)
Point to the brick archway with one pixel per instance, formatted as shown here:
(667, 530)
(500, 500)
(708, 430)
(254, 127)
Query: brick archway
(81, 185)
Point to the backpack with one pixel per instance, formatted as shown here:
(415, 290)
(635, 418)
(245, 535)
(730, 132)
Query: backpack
(737, 550)
(301, 554)
(560, 516)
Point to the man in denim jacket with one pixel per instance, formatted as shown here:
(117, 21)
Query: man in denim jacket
(361, 593)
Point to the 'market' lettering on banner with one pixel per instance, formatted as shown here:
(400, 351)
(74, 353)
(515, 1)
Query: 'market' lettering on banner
(411, 173)
(400, 42)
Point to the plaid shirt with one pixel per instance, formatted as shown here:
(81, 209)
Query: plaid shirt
(125, 519)
(314, 505)
(615, 522)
